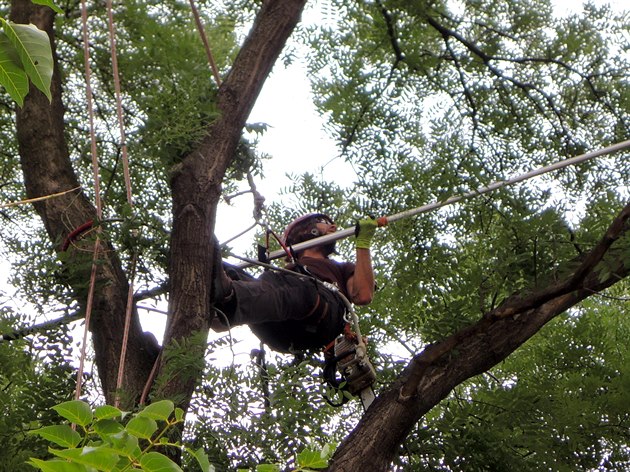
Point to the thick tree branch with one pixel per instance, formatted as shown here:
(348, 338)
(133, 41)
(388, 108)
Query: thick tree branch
(432, 374)
(518, 304)
(196, 188)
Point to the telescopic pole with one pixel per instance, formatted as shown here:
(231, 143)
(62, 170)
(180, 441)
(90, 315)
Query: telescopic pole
(382, 221)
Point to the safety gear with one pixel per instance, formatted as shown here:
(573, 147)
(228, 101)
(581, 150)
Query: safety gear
(304, 228)
(347, 355)
(364, 232)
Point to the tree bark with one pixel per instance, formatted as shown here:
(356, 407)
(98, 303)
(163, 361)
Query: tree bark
(47, 170)
(196, 188)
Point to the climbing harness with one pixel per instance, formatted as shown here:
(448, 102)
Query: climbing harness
(347, 355)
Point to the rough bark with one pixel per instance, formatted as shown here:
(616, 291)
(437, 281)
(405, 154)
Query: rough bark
(47, 170)
(196, 187)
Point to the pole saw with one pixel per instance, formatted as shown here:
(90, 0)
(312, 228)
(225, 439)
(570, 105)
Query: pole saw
(350, 355)
(384, 220)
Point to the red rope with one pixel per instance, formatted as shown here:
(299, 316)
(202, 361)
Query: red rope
(76, 234)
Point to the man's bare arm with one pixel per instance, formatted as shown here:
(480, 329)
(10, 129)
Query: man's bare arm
(361, 285)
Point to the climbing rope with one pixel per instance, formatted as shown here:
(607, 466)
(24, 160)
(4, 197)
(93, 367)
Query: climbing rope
(97, 192)
(127, 178)
(38, 199)
(259, 202)
(99, 211)
(206, 44)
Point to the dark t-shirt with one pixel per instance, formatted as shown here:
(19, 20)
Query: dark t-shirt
(328, 270)
(301, 333)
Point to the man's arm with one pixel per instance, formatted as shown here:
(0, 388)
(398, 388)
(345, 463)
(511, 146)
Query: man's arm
(361, 285)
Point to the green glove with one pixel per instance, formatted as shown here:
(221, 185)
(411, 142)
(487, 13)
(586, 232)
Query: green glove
(364, 232)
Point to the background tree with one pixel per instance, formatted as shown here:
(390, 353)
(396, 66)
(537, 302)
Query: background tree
(425, 100)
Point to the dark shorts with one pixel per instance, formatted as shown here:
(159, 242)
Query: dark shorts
(288, 312)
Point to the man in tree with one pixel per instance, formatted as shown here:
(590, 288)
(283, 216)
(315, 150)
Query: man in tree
(293, 310)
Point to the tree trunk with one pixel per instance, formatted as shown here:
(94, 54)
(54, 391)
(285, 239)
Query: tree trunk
(47, 170)
(196, 188)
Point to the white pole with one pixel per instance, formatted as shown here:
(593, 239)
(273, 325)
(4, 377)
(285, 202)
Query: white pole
(344, 233)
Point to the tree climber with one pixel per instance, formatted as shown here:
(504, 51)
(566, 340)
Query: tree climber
(286, 310)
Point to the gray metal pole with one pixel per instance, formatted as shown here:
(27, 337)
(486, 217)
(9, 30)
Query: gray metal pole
(344, 233)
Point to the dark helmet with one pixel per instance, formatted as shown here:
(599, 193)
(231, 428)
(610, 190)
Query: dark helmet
(304, 228)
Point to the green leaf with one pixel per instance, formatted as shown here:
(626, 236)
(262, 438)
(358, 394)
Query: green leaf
(56, 466)
(101, 458)
(12, 76)
(267, 468)
(75, 411)
(62, 435)
(125, 443)
(107, 427)
(48, 3)
(202, 459)
(124, 464)
(327, 451)
(159, 410)
(142, 427)
(311, 458)
(156, 462)
(107, 412)
(33, 48)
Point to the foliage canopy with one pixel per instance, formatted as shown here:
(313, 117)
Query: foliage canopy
(425, 100)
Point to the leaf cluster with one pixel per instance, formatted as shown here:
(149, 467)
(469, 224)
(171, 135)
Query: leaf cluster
(100, 441)
(556, 403)
(25, 57)
(264, 410)
(35, 374)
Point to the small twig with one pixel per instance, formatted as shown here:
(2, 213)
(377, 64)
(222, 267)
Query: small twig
(37, 199)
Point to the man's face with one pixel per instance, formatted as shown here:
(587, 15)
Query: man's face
(325, 226)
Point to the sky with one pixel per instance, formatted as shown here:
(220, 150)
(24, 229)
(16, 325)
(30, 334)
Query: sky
(296, 140)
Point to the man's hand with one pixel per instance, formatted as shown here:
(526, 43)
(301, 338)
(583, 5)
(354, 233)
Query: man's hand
(364, 232)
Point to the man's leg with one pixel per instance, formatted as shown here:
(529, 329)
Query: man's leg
(273, 297)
